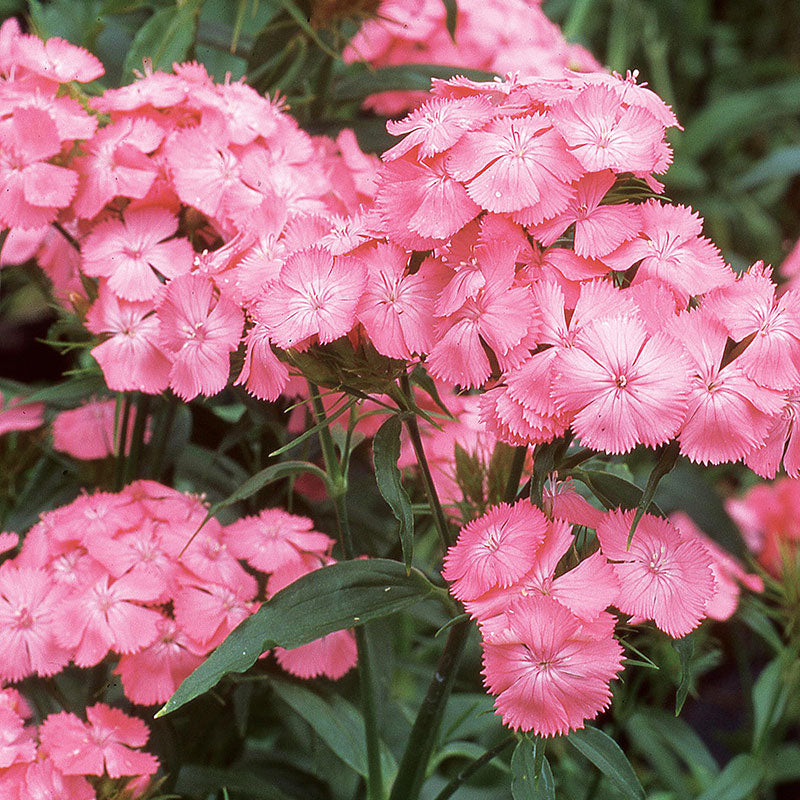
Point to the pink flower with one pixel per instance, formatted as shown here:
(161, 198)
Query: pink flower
(133, 252)
(107, 743)
(152, 674)
(198, 333)
(663, 575)
(274, 539)
(32, 190)
(131, 358)
(17, 745)
(208, 612)
(16, 417)
(496, 549)
(57, 59)
(29, 605)
(396, 309)
(512, 163)
(43, 781)
(549, 671)
(263, 374)
(728, 415)
(623, 387)
(316, 294)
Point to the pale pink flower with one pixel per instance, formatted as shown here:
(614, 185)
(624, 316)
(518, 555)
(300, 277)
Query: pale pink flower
(728, 415)
(107, 616)
(782, 446)
(17, 745)
(550, 672)
(664, 576)
(496, 549)
(131, 358)
(15, 417)
(133, 252)
(57, 59)
(623, 388)
(29, 603)
(32, 190)
(396, 309)
(152, 674)
(317, 294)
(274, 539)
(199, 333)
(107, 743)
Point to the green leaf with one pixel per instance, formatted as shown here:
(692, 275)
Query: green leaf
(685, 649)
(770, 695)
(613, 491)
(360, 81)
(68, 393)
(329, 599)
(608, 757)
(385, 452)
(339, 724)
(164, 39)
(451, 18)
(739, 778)
(531, 776)
(784, 764)
(780, 163)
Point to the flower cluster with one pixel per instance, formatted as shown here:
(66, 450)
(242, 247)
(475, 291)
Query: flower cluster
(492, 35)
(124, 576)
(548, 637)
(61, 757)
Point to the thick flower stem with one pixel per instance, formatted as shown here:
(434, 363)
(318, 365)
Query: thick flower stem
(439, 519)
(474, 766)
(366, 683)
(411, 773)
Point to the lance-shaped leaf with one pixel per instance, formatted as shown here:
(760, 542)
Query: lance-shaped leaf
(330, 599)
(608, 757)
(531, 776)
(385, 452)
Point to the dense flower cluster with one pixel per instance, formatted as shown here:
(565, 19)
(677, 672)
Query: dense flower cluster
(492, 35)
(120, 575)
(548, 637)
(58, 758)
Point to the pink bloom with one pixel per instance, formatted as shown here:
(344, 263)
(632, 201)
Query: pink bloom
(57, 59)
(17, 745)
(131, 358)
(208, 612)
(420, 204)
(107, 743)
(623, 387)
(263, 374)
(134, 252)
(396, 309)
(663, 575)
(274, 539)
(602, 133)
(512, 163)
(599, 229)
(106, 616)
(317, 294)
(550, 672)
(32, 190)
(671, 250)
(29, 604)
(87, 432)
(16, 417)
(153, 674)
(782, 446)
(728, 414)
(496, 549)
(41, 780)
(199, 333)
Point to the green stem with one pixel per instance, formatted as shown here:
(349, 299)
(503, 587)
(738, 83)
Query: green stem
(366, 683)
(473, 767)
(158, 448)
(137, 438)
(120, 439)
(414, 765)
(439, 519)
(517, 465)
